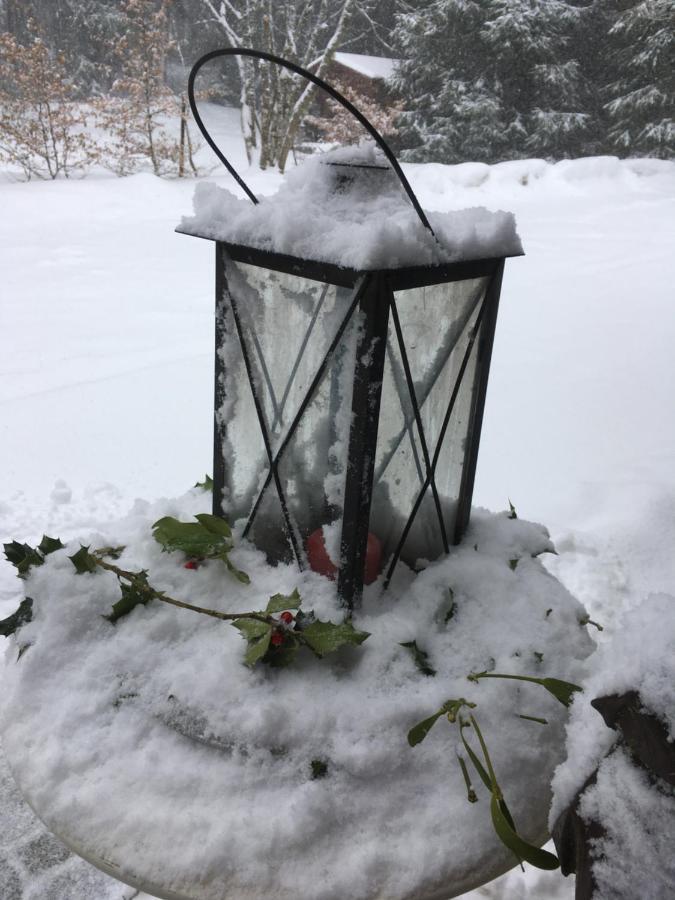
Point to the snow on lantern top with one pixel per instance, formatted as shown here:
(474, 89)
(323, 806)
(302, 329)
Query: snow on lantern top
(346, 208)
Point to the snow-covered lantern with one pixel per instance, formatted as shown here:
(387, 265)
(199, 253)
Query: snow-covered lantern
(353, 344)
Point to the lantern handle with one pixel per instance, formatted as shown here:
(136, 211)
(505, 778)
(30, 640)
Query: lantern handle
(319, 82)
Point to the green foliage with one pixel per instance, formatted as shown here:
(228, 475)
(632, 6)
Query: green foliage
(134, 593)
(23, 557)
(210, 537)
(420, 657)
(206, 484)
(563, 691)
(503, 825)
(20, 617)
(512, 511)
(319, 769)
(450, 709)
(276, 642)
(84, 561)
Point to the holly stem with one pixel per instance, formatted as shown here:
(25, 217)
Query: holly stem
(159, 595)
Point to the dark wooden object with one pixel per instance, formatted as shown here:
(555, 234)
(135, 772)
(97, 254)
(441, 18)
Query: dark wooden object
(646, 737)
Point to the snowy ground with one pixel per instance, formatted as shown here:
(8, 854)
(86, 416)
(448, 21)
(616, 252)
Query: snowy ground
(106, 363)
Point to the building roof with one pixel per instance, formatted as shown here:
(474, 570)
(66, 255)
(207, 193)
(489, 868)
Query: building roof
(368, 66)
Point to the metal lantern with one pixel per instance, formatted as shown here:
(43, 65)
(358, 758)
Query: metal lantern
(349, 401)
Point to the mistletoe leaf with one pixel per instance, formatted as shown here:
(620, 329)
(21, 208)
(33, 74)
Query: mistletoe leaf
(420, 657)
(563, 691)
(83, 561)
(22, 557)
(477, 764)
(282, 602)
(49, 545)
(327, 637)
(20, 617)
(133, 594)
(238, 574)
(418, 732)
(503, 825)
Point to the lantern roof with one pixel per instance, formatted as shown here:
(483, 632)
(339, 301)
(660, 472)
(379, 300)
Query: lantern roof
(345, 208)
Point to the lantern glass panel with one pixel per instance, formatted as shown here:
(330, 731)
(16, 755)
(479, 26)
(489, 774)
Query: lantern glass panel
(436, 323)
(287, 324)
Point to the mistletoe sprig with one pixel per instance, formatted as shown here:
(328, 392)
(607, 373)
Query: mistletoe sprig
(502, 820)
(274, 635)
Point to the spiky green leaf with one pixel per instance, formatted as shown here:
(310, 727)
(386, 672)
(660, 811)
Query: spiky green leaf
(252, 628)
(282, 602)
(206, 484)
(49, 545)
(327, 637)
(83, 561)
(23, 557)
(133, 595)
(214, 524)
(258, 647)
(20, 617)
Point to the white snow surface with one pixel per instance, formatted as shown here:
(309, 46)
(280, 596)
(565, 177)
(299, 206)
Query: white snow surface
(370, 225)
(158, 714)
(106, 362)
(370, 66)
(639, 656)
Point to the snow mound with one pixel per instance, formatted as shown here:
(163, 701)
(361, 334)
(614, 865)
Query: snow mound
(369, 225)
(640, 657)
(135, 739)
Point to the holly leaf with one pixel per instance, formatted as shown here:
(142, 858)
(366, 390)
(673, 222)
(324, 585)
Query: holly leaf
(420, 657)
(206, 484)
(192, 538)
(133, 594)
(110, 552)
(20, 617)
(49, 545)
(563, 691)
(252, 628)
(282, 602)
(327, 637)
(512, 511)
(503, 825)
(83, 561)
(284, 655)
(258, 647)
(22, 557)
(214, 524)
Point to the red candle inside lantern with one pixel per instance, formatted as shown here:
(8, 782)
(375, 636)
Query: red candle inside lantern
(320, 561)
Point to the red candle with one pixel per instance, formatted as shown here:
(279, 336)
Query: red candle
(320, 561)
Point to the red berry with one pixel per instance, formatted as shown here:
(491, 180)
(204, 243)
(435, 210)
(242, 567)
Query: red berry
(190, 564)
(277, 639)
(286, 618)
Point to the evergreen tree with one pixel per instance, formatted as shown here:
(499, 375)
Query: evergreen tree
(491, 79)
(642, 104)
(452, 108)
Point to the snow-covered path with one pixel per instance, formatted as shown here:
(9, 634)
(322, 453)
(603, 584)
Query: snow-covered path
(106, 379)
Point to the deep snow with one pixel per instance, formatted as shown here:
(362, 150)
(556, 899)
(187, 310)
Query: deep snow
(107, 367)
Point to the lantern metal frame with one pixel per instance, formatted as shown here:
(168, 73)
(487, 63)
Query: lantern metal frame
(373, 296)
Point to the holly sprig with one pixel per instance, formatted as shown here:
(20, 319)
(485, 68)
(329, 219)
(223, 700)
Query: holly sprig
(274, 635)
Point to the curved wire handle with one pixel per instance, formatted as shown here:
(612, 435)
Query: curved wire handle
(319, 82)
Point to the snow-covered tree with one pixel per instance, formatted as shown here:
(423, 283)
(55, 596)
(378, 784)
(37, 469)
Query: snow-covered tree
(489, 79)
(140, 116)
(41, 130)
(273, 101)
(642, 104)
(452, 110)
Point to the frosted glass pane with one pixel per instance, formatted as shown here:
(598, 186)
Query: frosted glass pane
(436, 323)
(288, 324)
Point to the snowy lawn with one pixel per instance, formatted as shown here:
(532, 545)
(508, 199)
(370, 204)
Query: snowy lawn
(106, 357)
